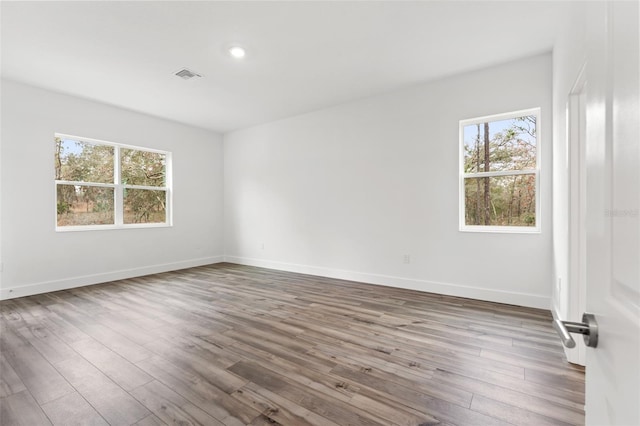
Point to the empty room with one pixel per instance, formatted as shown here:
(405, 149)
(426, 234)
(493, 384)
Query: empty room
(320, 213)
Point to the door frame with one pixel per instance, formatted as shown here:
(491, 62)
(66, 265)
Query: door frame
(577, 232)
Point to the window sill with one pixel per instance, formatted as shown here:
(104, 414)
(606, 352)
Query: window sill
(111, 227)
(502, 229)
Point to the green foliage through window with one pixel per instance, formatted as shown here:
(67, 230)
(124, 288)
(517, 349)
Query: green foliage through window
(95, 181)
(500, 170)
(144, 206)
(142, 167)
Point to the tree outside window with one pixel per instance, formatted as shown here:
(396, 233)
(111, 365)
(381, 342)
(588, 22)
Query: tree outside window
(499, 172)
(102, 185)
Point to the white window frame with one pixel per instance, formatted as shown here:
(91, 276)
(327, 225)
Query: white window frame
(118, 189)
(501, 229)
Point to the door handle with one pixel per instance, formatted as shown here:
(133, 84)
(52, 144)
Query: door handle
(588, 328)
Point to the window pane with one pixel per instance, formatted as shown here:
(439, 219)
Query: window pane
(500, 145)
(84, 205)
(501, 201)
(83, 162)
(144, 206)
(143, 167)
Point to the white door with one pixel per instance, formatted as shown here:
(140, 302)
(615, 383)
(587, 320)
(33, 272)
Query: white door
(613, 213)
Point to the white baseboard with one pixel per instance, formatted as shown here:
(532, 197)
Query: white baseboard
(512, 298)
(471, 292)
(72, 282)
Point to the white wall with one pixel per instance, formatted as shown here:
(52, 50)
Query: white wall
(36, 258)
(347, 191)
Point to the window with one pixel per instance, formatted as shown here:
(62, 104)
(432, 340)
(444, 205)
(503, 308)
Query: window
(499, 173)
(104, 185)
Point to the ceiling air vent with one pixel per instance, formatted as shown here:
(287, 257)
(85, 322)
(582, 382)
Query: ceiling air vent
(186, 74)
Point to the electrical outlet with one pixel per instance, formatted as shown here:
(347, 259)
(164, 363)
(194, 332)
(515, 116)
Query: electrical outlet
(262, 246)
(406, 259)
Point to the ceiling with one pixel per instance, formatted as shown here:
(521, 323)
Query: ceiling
(301, 56)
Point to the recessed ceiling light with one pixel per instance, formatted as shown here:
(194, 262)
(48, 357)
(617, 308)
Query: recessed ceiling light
(237, 52)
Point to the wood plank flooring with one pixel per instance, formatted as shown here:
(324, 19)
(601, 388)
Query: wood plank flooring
(234, 345)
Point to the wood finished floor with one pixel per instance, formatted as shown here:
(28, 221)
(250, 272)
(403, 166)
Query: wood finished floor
(235, 345)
